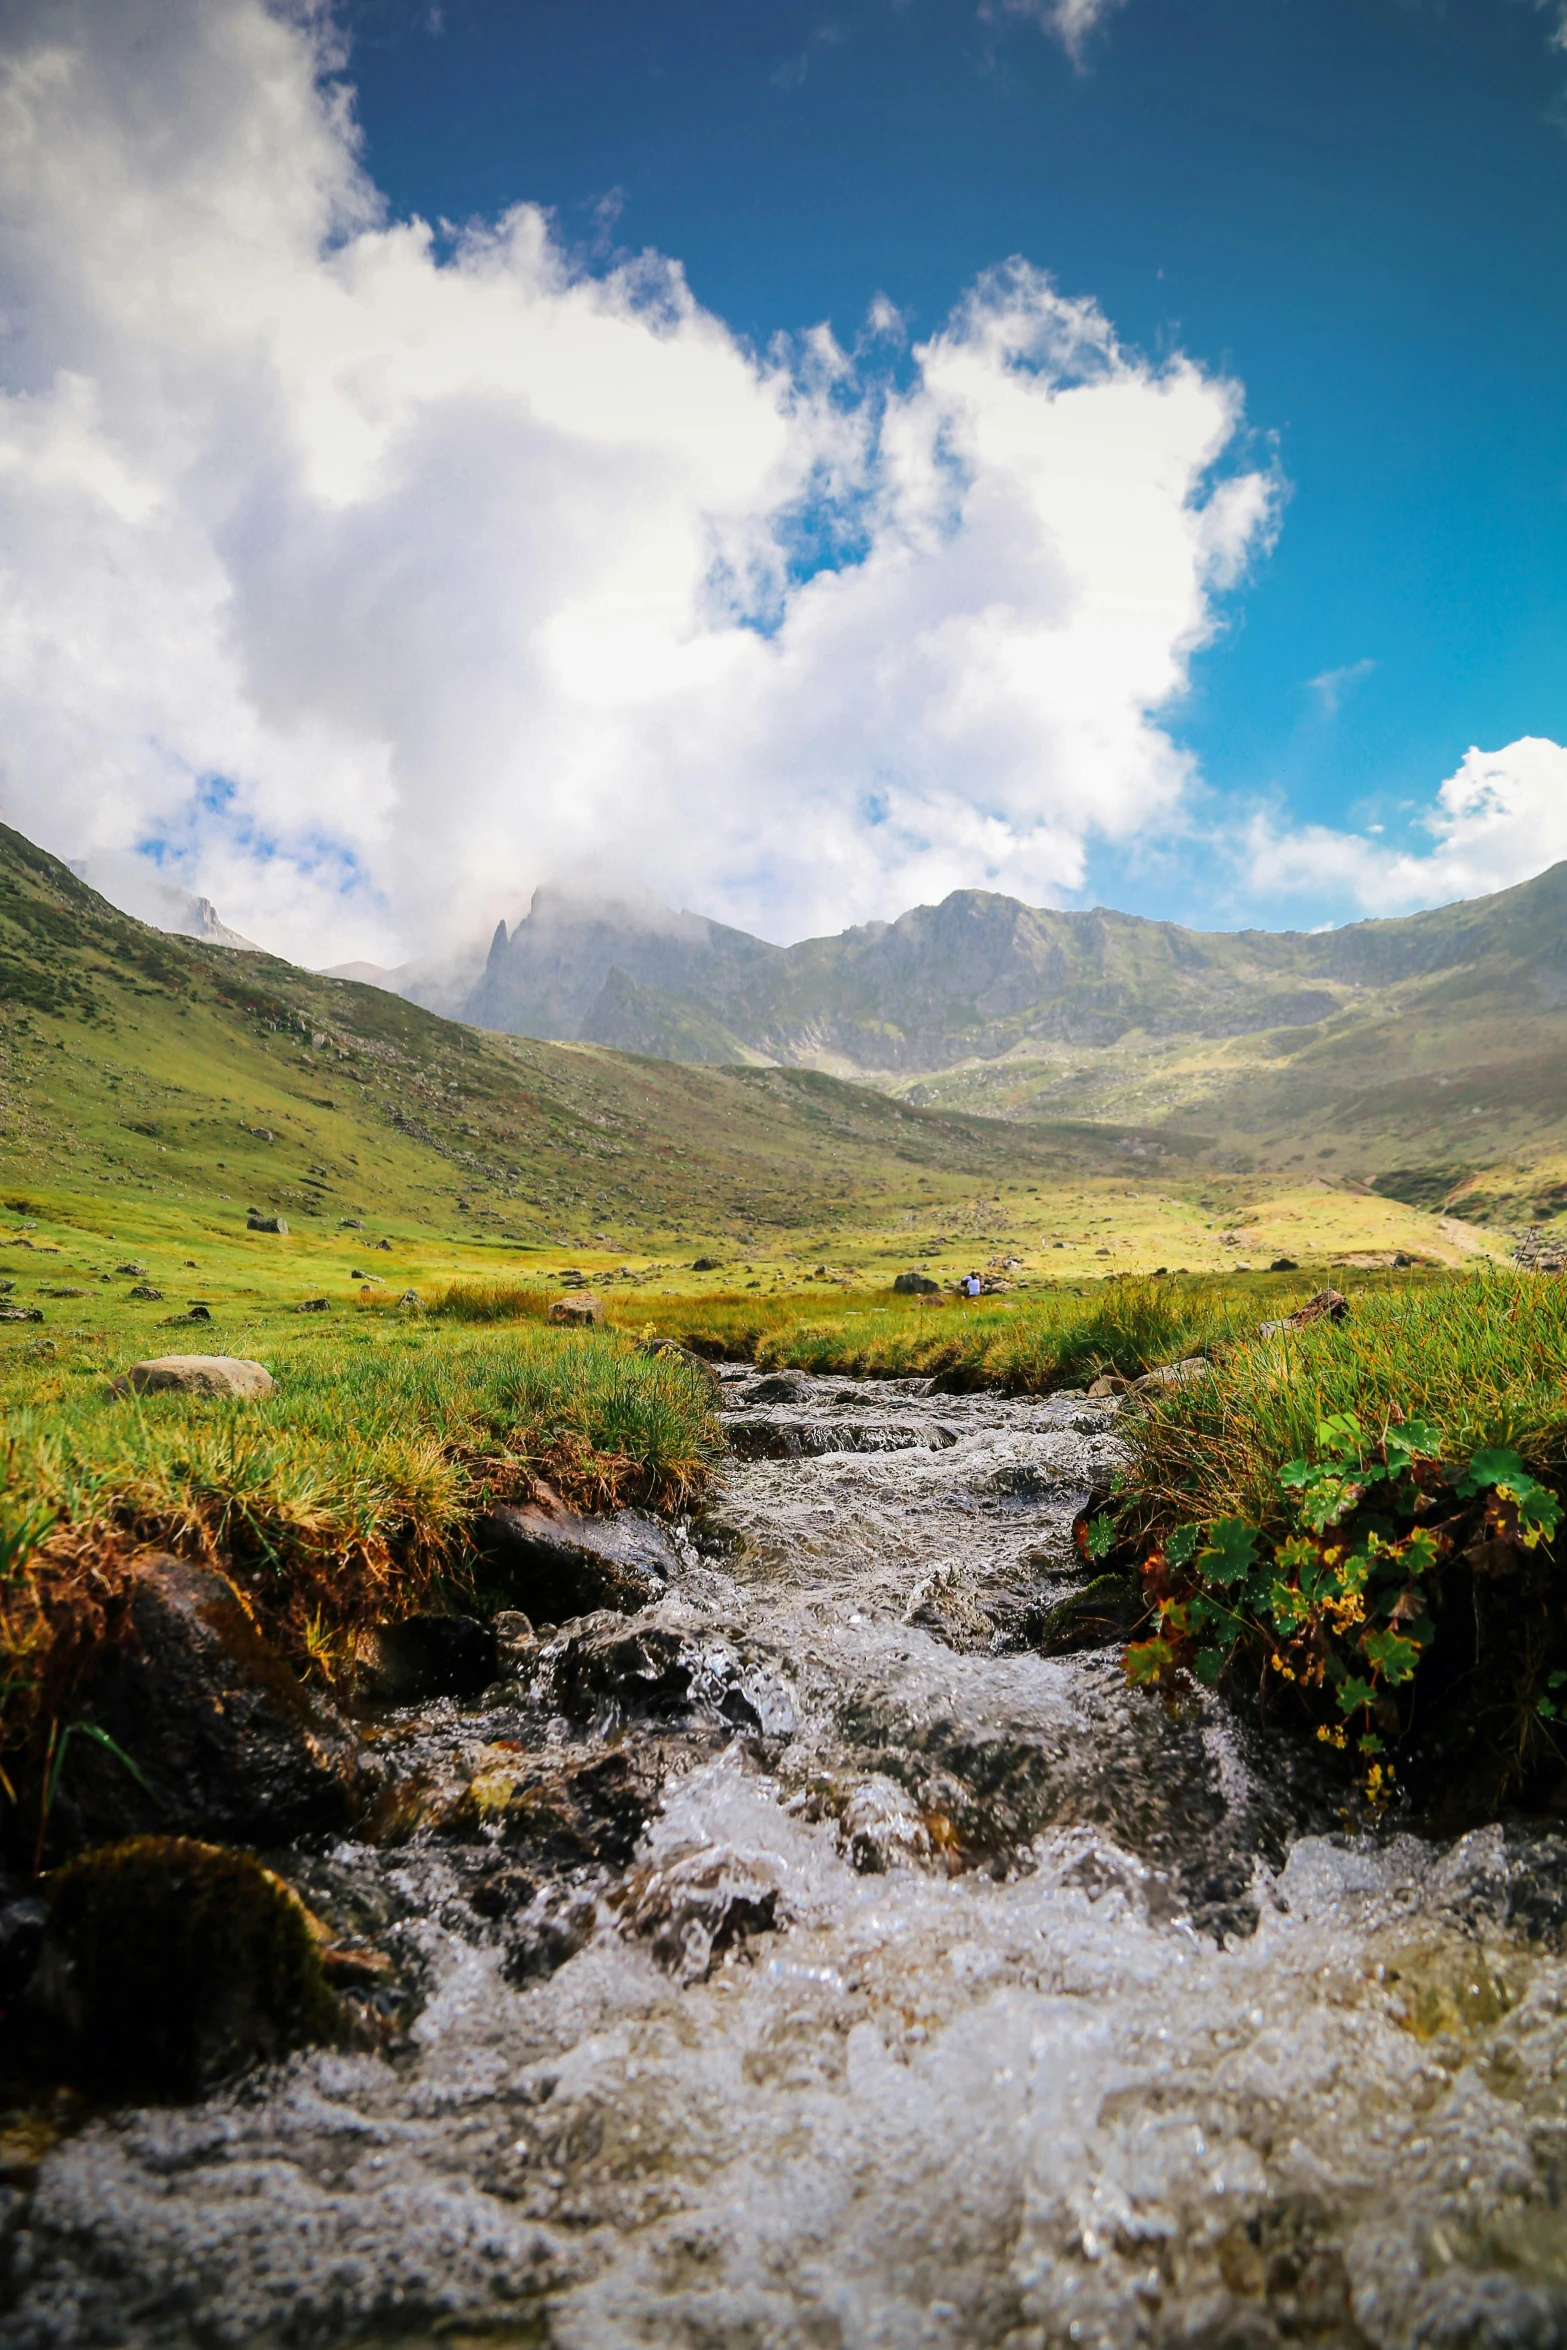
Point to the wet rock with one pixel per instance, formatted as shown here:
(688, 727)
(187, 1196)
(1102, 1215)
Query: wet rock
(697, 1904)
(501, 1890)
(1098, 1612)
(195, 1375)
(571, 1811)
(21, 1937)
(168, 1966)
(882, 1828)
(516, 1642)
(582, 1312)
(779, 1387)
(557, 1564)
(557, 1924)
(774, 1439)
(427, 1656)
(256, 1223)
(605, 1664)
(228, 1741)
(606, 1669)
(915, 1285)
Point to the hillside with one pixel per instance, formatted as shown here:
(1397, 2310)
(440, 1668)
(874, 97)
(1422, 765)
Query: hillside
(1411, 1048)
(133, 1060)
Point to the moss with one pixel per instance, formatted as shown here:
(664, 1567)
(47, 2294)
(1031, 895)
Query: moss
(170, 1966)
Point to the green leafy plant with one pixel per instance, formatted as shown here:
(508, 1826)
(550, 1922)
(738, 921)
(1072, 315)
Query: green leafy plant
(1335, 1602)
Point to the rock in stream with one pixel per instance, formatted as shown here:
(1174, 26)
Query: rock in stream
(803, 1957)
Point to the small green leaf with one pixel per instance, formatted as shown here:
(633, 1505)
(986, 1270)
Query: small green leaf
(1394, 1657)
(1352, 1691)
(1494, 1466)
(1209, 1665)
(1230, 1550)
(1182, 1546)
(1100, 1538)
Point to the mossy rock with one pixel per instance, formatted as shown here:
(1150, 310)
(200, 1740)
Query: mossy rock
(170, 1966)
(1100, 1611)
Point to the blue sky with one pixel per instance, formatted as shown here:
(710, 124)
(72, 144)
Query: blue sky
(796, 460)
(1356, 207)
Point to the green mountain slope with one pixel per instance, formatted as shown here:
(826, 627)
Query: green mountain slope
(1440, 1036)
(135, 1061)
(1446, 1049)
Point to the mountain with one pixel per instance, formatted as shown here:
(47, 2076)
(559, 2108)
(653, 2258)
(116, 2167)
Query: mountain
(1440, 1036)
(135, 1062)
(612, 971)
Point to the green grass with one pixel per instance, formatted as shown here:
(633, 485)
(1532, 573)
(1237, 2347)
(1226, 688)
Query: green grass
(1052, 1339)
(1483, 1356)
(338, 1501)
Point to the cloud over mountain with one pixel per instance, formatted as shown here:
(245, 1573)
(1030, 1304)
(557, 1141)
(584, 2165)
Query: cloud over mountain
(362, 573)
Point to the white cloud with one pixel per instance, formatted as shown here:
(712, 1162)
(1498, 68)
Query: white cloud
(1071, 21)
(365, 576)
(1332, 685)
(1499, 819)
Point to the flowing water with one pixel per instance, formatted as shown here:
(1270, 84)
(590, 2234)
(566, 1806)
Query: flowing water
(935, 1992)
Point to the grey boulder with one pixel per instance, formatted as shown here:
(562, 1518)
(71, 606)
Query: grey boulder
(196, 1375)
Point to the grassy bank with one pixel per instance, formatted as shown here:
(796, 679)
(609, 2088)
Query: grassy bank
(1053, 1338)
(1357, 1521)
(339, 1500)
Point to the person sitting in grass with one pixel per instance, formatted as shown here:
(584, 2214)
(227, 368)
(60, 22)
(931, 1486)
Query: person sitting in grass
(971, 1285)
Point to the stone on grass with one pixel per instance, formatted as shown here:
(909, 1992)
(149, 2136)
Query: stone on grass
(134, 1270)
(916, 1285)
(312, 1305)
(707, 1265)
(1108, 1383)
(195, 1375)
(21, 1313)
(1327, 1306)
(672, 1348)
(1284, 1265)
(259, 1223)
(170, 1966)
(1174, 1374)
(583, 1312)
(147, 1293)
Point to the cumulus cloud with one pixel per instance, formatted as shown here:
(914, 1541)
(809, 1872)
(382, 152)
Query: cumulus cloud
(1500, 818)
(359, 574)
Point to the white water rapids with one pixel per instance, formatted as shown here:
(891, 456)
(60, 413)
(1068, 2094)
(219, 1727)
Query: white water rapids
(972, 2001)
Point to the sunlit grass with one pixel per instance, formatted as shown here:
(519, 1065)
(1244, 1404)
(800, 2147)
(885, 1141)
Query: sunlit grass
(1483, 1356)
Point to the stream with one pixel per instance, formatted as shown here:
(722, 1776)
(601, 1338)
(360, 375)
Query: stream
(809, 1963)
